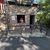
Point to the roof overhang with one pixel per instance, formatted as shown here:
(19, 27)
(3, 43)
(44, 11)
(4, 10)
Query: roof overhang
(10, 0)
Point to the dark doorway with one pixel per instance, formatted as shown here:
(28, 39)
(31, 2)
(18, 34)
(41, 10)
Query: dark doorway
(20, 18)
(32, 19)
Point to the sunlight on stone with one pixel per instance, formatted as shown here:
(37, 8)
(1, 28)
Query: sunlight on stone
(25, 34)
(26, 47)
(31, 9)
(23, 29)
(19, 48)
(2, 26)
(22, 39)
(4, 44)
(30, 47)
(13, 28)
(34, 47)
(21, 9)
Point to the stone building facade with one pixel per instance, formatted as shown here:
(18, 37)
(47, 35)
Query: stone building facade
(25, 11)
(20, 12)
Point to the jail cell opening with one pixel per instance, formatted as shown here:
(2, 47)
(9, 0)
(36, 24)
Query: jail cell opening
(32, 19)
(20, 18)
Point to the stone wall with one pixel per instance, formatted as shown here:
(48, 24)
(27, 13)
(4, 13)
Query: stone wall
(22, 9)
(15, 10)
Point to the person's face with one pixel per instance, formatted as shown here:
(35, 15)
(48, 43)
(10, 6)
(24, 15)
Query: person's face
(21, 20)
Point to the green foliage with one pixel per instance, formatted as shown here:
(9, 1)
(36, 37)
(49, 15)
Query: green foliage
(43, 15)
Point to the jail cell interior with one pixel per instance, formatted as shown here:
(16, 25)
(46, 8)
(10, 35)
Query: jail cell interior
(21, 18)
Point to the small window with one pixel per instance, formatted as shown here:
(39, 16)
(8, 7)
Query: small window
(20, 18)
